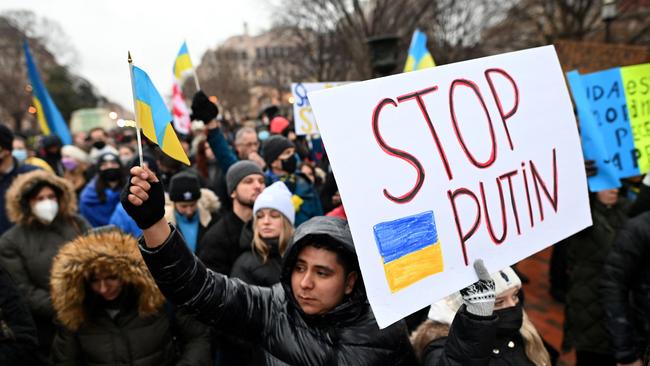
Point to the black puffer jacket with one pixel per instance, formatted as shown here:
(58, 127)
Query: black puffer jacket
(466, 344)
(250, 268)
(270, 318)
(626, 290)
(18, 341)
(220, 246)
(27, 249)
(586, 253)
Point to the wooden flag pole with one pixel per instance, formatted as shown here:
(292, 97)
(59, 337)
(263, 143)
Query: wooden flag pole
(135, 110)
(196, 78)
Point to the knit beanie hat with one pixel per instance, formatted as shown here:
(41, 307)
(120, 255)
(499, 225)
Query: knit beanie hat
(239, 171)
(49, 141)
(184, 187)
(278, 125)
(106, 157)
(273, 147)
(6, 137)
(75, 153)
(277, 197)
(504, 280)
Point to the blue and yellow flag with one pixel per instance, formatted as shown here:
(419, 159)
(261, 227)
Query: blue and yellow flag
(48, 115)
(419, 57)
(183, 62)
(409, 248)
(154, 117)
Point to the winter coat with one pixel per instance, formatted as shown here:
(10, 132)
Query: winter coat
(18, 339)
(250, 268)
(586, 253)
(5, 182)
(222, 151)
(305, 198)
(270, 318)
(143, 330)
(626, 290)
(220, 246)
(27, 249)
(124, 222)
(472, 340)
(208, 206)
(96, 211)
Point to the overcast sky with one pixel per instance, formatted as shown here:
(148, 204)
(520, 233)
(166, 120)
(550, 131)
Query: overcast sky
(102, 31)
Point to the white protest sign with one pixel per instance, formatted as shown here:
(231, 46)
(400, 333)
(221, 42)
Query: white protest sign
(304, 121)
(440, 167)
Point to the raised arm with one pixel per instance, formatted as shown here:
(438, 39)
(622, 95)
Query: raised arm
(181, 277)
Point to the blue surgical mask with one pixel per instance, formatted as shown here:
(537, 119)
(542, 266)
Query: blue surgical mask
(263, 135)
(19, 154)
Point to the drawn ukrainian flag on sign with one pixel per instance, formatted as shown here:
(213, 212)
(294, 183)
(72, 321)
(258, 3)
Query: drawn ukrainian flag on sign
(419, 57)
(409, 248)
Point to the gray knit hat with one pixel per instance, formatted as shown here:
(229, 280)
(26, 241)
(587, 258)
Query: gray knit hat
(239, 171)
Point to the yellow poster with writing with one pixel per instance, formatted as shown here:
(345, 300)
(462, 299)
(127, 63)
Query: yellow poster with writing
(636, 81)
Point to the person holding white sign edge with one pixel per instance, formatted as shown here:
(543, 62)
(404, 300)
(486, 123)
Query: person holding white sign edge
(482, 324)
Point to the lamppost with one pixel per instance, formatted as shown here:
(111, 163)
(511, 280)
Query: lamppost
(608, 14)
(383, 54)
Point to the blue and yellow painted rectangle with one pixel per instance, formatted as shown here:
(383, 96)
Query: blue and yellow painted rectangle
(409, 248)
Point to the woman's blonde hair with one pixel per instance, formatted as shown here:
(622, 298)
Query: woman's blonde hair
(534, 347)
(262, 248)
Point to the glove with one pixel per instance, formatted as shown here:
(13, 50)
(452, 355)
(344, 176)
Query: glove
(202, 108)
(480, 296)
(151, 210)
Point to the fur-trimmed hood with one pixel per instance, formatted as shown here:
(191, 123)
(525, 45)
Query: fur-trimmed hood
(18, 210)
(108, 251)
(426, 333)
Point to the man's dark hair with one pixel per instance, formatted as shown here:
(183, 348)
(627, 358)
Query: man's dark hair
(344, 256)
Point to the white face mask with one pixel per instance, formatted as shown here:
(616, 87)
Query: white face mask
(46, 210)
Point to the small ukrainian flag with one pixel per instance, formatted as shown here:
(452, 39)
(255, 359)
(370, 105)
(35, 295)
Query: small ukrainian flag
(409, 248)
(183, 63)
(419, 57)
(154, 117)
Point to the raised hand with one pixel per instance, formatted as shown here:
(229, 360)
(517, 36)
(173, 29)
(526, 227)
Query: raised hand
(480, 296)
(144, 197)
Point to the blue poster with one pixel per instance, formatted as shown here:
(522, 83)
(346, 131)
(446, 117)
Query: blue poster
(594, 146)
(606, 95)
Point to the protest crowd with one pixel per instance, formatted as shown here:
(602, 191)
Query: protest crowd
(114, 252)
(117, 264)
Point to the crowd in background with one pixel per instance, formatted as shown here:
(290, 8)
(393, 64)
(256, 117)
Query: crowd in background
(75, 289)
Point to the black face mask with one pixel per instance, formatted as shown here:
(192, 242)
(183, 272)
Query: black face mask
(509, 320)
(289, 164)
(111, 174)
(99, 144)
